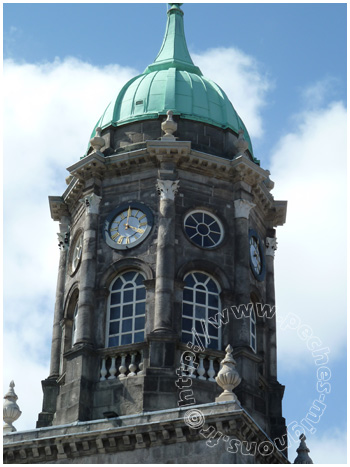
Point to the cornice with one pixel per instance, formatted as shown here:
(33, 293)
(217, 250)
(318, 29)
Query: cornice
(240, 169)
(84, 439)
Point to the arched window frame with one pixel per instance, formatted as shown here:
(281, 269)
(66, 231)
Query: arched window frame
(253, 324)
(75, 323)
(125, 314)
(192, 317)
(252, 329)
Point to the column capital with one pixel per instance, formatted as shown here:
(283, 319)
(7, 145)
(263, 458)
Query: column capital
(271, 246)
(63, 240)
(242, 208)
(91, 203)
(167, 188)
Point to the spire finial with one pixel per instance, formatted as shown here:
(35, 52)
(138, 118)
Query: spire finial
(303, 450)
(11, 410)
(228, 377)
(174, 52)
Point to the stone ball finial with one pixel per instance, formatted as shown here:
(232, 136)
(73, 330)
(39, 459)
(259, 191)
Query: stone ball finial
(97, 142)
(169, 127)
(228, 377)
(303, 450)
(241, 144)
(11, 410)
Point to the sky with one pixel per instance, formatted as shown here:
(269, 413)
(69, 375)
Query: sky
(283, 66)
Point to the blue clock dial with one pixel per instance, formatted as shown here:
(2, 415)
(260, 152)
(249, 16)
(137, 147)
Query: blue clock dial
(128, 225)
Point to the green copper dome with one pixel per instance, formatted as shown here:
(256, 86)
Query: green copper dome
(173, 82)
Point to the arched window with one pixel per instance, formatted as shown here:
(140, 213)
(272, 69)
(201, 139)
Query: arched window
(75, 324)
(201, 301)
(126, 310)
(253, 329)
(252, 325)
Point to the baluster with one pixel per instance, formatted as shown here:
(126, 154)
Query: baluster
(103, 370)
(112, 370)
(122, 368)
(211, 371)
(191, 368)
(201, 369)
(139, 373)
(132, 366)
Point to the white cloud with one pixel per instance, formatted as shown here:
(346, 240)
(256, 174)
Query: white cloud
(318, 93)
(309, 166)
(241, 77)
(50, 111)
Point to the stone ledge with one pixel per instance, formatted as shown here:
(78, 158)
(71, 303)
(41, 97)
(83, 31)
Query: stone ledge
(135, 432)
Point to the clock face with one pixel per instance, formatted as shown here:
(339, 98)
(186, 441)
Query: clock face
(204, 229)
(128, 225)
(77, 251)
(256, 255)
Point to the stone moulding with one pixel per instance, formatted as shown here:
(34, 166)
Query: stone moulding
(140, 431)
(239, 169)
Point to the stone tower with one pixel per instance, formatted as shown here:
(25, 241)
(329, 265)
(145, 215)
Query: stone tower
(167, 242)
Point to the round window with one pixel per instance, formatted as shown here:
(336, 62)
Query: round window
(204, 229)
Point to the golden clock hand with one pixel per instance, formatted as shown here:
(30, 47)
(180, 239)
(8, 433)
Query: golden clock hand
(127, 219)
(137, 230)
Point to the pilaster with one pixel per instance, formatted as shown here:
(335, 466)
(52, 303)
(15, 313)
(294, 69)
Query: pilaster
(88, 270)
(271, 247)
(63, 236)
(165, 266)
(242, 266)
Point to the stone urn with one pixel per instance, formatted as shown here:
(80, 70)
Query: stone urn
(228, 378)
(169, 127)
(97, 142)
(11, 410)
(241, 144)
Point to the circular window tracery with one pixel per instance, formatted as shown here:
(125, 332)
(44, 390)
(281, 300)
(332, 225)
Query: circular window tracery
(203, 229)
(77, 253)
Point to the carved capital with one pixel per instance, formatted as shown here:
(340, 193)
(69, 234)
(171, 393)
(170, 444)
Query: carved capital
(271, 246)
(242, 208)
(92, 203)
(167, 188)
(63, 240)
(64, 233)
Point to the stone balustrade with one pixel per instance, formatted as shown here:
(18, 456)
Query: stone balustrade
(202, 365)
(120, 364)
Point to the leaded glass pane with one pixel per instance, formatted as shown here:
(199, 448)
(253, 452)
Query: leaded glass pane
(186, 324)
(115, 298)
(115, 313)
(126, 339)
(140, 293)
(139, 323)
(113, 341)
(114, 327)
(128, 296)
(127, 311)
(139, 337)
(140, 308)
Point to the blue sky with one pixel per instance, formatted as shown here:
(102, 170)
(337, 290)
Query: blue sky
(283, 67)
